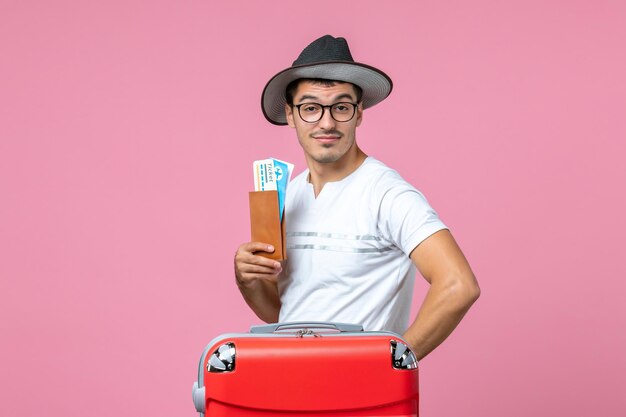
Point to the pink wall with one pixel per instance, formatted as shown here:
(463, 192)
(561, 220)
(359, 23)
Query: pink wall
(127, 132)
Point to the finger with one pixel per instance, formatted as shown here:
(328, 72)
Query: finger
(253, 247)
(246, 258)
(259, 269)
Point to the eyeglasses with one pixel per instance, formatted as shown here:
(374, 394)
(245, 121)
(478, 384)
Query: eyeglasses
(313, 112)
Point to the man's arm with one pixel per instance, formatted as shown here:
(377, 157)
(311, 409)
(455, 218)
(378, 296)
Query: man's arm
(453, 289)
(257, 279)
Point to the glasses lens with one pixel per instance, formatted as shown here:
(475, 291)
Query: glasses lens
(342, 112)
(310, 112)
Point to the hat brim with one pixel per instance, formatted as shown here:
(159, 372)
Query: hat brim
(376, 85)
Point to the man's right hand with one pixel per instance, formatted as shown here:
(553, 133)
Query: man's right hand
(250, 267)
(257, 279)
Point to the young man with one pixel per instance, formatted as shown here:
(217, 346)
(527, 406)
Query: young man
(356, 231)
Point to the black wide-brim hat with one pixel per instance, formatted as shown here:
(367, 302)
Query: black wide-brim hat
(325, 58)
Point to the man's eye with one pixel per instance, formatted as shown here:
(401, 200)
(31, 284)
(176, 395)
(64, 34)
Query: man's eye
(342, 108)
(310, 108)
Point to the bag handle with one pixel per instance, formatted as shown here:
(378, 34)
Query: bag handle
(299, 326)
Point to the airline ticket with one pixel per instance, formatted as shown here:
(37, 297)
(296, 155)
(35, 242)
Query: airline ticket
(273, 174)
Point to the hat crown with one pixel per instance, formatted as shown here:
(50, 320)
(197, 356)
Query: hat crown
(325, 49)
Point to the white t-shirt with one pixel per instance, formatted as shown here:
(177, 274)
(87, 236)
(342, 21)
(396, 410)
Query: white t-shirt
(348, 249)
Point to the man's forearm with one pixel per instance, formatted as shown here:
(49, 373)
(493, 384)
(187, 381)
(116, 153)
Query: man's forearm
(262, 297)
(442, 310)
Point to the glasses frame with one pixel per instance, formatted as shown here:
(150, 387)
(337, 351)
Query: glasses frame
(330, 109)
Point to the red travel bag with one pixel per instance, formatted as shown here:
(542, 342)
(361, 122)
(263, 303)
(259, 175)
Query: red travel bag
(307, 369)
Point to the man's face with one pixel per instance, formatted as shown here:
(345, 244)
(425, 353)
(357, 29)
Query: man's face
(327, 140)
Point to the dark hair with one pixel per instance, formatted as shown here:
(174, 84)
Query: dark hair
(293, 86)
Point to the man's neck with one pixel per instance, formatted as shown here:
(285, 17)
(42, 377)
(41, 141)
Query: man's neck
(322, 173)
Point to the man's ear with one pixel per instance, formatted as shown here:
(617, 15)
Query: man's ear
(359, 114)
(289, 115)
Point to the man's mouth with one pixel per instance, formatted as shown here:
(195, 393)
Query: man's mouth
(327, 138)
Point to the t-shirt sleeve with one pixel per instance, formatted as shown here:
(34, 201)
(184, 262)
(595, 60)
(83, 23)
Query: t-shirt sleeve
(404, 216)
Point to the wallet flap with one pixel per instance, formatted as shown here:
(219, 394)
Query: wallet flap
(265, 224)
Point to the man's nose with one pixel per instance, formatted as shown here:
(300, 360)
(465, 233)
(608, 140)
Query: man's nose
(326, 122)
